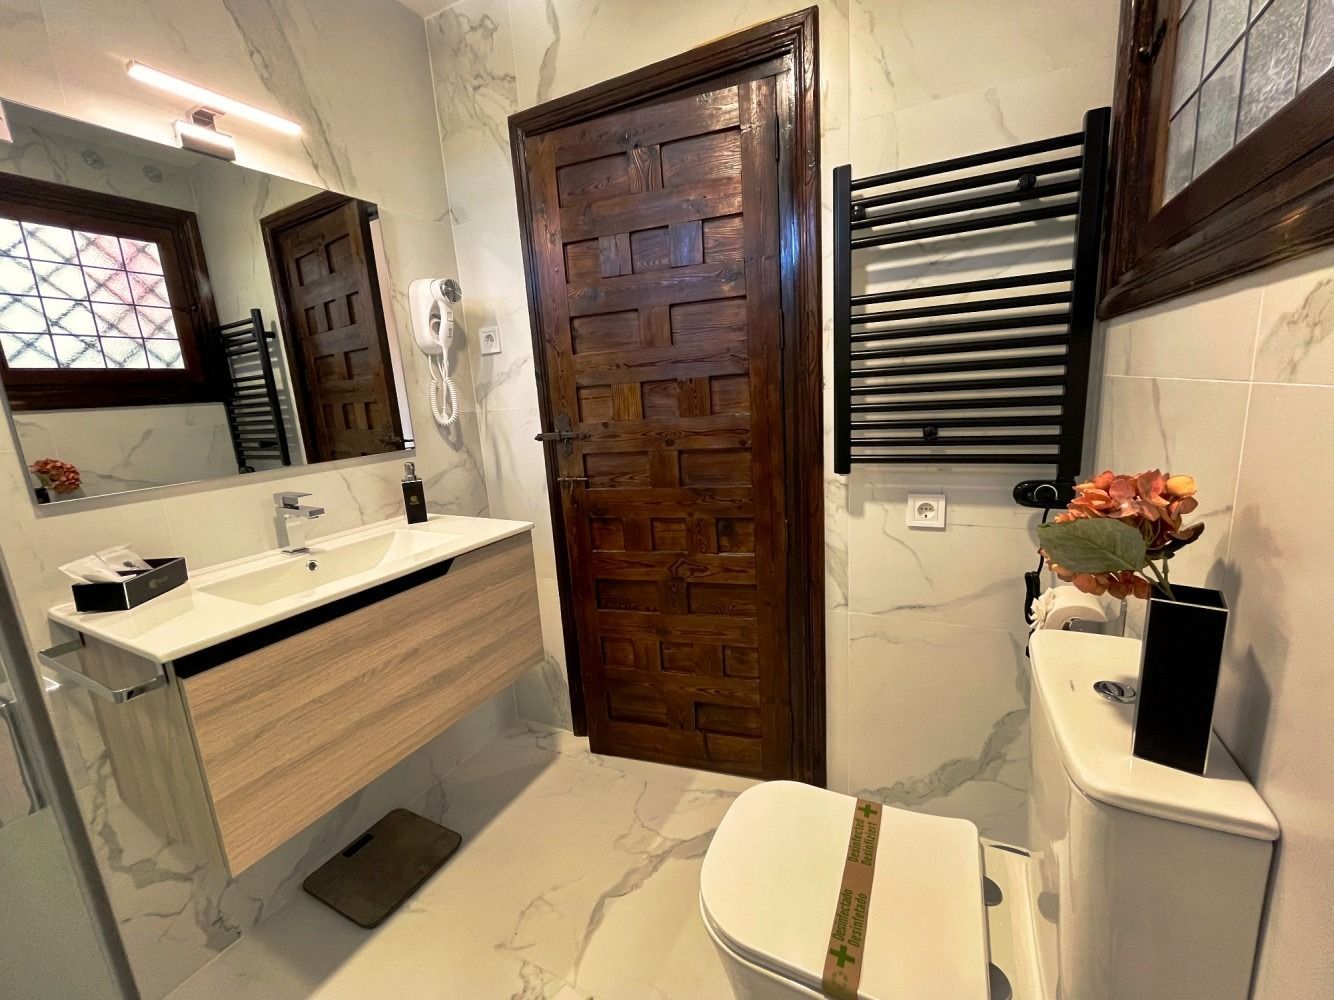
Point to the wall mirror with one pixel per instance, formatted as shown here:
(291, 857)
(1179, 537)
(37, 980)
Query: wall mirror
(167, 317)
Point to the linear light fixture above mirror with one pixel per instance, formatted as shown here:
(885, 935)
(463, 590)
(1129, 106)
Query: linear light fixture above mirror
(208, 99)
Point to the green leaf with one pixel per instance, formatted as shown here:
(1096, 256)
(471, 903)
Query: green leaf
(1093, 545)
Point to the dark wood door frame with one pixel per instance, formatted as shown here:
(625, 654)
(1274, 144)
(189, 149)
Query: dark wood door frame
(272, 226)
(792, 38)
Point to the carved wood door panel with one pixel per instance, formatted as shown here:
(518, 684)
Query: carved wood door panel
(656, 257)
(343, 375)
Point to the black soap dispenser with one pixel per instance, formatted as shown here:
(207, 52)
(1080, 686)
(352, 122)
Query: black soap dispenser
(414, 495)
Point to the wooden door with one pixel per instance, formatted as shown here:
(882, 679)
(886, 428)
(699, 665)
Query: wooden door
(656, 252)
(321, 256)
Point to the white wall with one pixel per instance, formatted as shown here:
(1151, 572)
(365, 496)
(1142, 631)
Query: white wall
(131, 447)
(1235, 385)
(229, 204)
(333, 67)
(927, 683)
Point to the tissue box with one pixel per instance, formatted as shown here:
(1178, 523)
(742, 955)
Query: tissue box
(165, 575)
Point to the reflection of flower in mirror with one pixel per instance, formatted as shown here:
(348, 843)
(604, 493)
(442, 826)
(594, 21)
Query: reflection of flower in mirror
(56, 475)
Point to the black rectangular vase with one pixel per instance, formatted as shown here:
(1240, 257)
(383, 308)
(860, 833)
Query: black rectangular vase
(1179, 662)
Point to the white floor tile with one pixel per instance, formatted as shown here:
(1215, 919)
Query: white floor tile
(578, 877)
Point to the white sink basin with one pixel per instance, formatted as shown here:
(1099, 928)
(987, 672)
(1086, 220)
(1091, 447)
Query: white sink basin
(230, 599)
(299, 573)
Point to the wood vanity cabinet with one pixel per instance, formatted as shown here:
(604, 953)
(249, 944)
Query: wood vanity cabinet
(267, 742)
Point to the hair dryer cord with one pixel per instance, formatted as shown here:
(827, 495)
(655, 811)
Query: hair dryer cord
(444, 395)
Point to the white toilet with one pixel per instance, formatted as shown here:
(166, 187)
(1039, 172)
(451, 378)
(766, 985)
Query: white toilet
(1144, 883)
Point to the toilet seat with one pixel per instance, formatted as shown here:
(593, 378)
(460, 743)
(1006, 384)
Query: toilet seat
(772, 873)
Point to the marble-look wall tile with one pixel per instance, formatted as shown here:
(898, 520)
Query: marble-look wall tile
(132, 448)
(970, 573)
(940, 713)
(564, 45)
(1208, 335)
(1276, 690)
(1296, 335)
(901, 57)
(1179, 426)
(473, 69)
(838, 701)
(28, 71)
(272, 53)
(516, 478)
(1016, 111)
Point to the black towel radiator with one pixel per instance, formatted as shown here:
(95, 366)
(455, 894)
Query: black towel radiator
(989, 370)
(254, 413)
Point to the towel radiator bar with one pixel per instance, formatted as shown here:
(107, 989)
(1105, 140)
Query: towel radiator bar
(254, 413)
(991, 369)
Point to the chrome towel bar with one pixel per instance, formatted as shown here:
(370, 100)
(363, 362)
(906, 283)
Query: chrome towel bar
(52, 660)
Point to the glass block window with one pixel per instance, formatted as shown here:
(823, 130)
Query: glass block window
(76, 299)
(1238, 62)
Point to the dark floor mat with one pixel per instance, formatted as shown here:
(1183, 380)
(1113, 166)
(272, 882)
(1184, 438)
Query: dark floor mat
(376, 873)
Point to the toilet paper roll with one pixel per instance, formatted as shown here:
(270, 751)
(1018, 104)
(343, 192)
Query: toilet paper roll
(1058, 606)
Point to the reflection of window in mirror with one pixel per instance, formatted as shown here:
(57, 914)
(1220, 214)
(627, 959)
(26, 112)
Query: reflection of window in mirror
(1224, 129)
(100, 300)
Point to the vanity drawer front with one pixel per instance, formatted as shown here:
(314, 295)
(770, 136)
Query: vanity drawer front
(289, 731)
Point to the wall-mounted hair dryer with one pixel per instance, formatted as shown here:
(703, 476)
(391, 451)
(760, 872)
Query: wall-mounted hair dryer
(429, 302)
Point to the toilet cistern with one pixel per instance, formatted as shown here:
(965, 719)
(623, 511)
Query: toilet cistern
(290, 518)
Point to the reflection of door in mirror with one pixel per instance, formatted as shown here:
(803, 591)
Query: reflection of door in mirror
(329, 302)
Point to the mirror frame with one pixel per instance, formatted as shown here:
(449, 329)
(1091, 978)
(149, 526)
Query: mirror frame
(204, 308)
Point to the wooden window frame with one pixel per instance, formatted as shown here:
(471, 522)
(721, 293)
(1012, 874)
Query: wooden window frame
(793, 36)
(1269, 198)
(202, 380)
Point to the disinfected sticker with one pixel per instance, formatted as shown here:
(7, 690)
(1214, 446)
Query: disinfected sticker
(847, 938)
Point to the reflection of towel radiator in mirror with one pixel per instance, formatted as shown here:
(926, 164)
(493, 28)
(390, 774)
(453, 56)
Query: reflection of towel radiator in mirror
(254, 414)
(987, 363)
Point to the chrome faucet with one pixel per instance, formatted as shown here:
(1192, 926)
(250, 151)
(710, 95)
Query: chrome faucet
(290, 517)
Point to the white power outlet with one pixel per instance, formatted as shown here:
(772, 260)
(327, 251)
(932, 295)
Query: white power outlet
(490, 338)
(926, 510)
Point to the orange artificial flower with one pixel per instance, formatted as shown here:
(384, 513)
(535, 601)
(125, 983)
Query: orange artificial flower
(1152, 504)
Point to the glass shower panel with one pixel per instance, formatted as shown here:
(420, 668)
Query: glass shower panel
(50, 945)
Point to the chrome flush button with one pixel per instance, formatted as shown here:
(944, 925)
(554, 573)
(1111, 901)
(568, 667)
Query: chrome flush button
(1116, 691)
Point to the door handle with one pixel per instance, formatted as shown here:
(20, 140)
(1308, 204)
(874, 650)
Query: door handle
(564, 434)
(571, 479)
